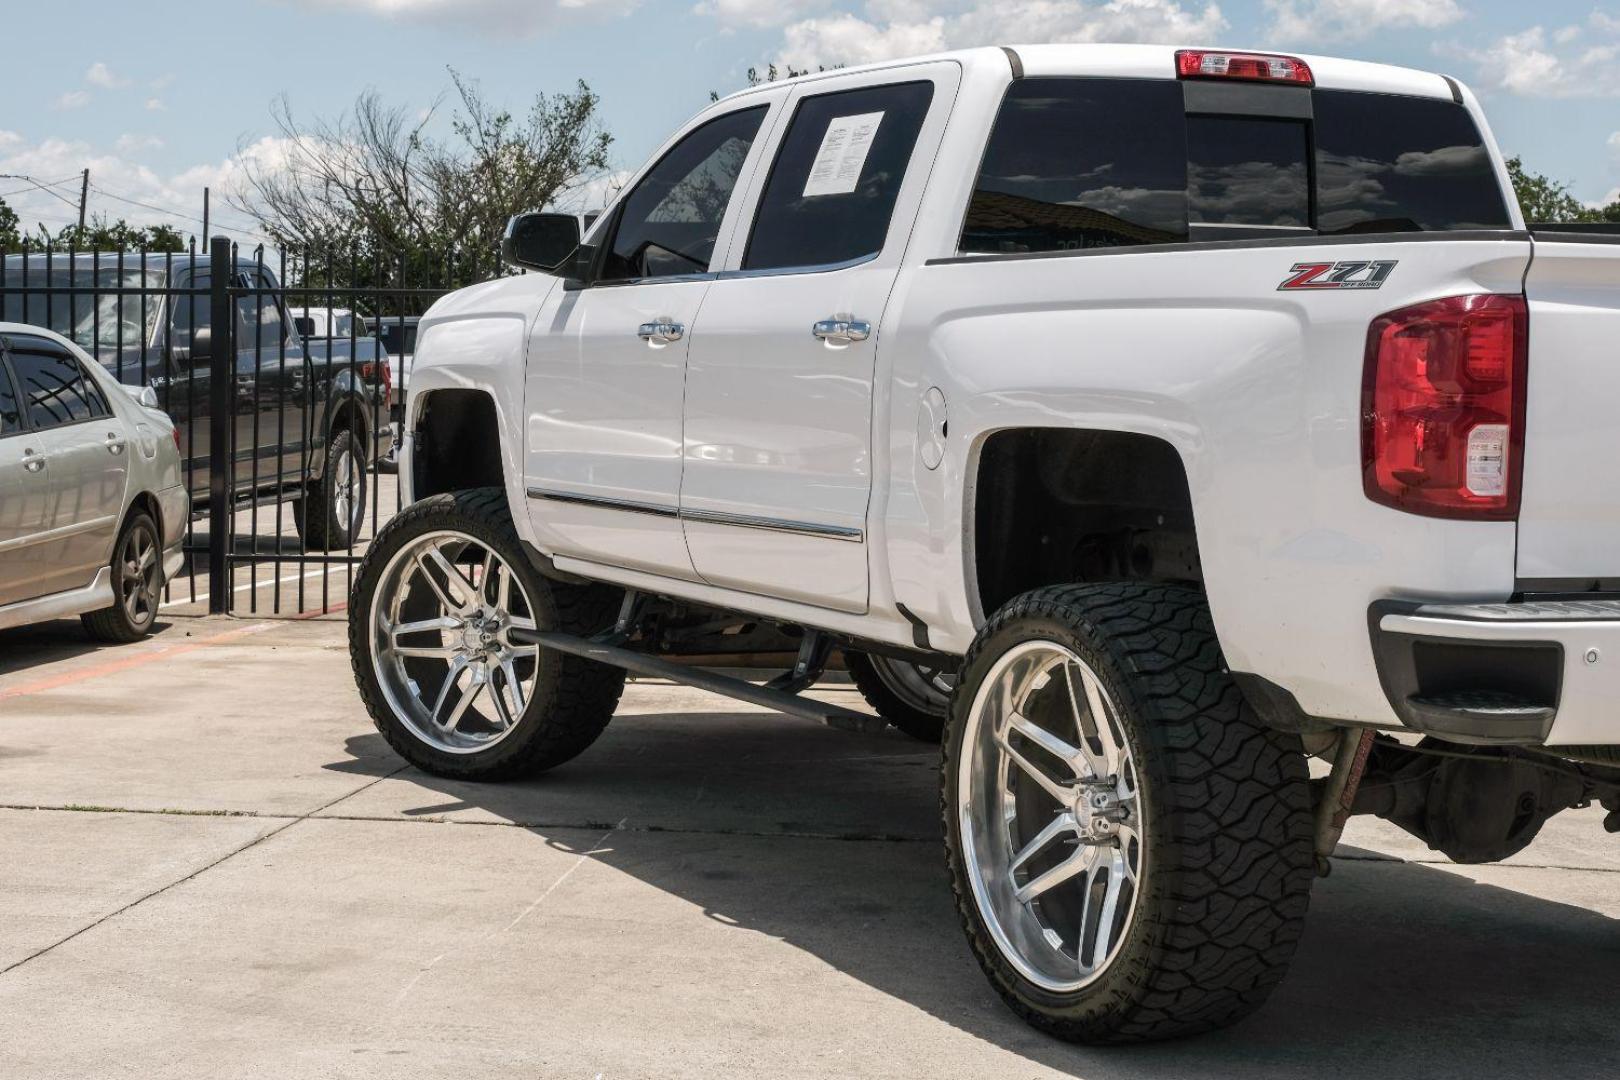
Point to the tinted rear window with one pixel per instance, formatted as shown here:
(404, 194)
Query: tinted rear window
(1392, 164)
(1247, 171)
(1082, 163)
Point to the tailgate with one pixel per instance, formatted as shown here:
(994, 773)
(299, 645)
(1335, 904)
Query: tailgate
(1569, 519)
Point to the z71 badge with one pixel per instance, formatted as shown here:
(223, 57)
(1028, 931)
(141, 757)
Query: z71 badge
(1346, 274)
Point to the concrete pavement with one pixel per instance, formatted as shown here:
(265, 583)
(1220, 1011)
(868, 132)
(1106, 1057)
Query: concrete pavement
(211, 865)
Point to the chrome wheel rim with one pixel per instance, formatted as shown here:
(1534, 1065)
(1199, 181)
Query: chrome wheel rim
(441, 622)
(926, 689)
(348, 491)
(139, 579)
(1051, 823)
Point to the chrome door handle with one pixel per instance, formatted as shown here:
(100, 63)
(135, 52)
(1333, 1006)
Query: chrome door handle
(32, 461)
(662, 332)
(115, 443)
(842, 330)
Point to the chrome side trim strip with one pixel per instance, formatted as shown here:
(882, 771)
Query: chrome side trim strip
(800, 528)
(709, 517)
(627, 505)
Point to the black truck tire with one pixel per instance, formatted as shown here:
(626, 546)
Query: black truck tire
(907, 695)
(333, 508)
(572, 700)
(1224, 863)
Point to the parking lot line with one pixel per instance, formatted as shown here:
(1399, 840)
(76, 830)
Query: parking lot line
(130, 660)
(202, 598)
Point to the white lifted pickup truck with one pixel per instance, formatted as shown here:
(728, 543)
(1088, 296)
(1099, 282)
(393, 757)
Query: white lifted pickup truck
(1143, 422)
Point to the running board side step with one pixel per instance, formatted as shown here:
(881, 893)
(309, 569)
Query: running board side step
(765, 696)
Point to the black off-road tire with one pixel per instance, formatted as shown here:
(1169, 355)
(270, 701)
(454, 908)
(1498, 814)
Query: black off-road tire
(921, 724)
(1229, 862)
(114, 625)
(320, 526)
(573, 699)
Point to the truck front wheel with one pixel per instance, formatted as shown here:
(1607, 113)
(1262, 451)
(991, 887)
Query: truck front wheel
(430, 638)
(1131, 852)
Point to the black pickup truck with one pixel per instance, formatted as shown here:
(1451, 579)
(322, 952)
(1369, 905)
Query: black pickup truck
(308, 413)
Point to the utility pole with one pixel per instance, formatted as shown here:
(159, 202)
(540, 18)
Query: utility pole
(205, 212)
(84, 197)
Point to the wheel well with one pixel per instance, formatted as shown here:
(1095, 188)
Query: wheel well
(464, 420)
(1055, 506)
(351, 415)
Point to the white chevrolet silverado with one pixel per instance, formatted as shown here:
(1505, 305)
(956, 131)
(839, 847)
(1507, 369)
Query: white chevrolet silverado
(1142, 423)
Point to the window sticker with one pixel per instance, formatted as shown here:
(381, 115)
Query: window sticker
(838, 164)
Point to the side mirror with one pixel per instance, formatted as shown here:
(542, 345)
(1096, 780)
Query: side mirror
(145, 395)
(202, 344)
(540, 242)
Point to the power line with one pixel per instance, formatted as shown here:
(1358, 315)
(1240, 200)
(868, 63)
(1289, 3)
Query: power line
(46, 188)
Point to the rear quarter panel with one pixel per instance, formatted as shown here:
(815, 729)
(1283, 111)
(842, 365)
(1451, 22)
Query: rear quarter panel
(1257, 390)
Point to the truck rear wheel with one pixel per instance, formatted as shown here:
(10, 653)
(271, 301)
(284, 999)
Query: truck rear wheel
(439, 593)
(1131, 852)
(331, 511)
(912, 697)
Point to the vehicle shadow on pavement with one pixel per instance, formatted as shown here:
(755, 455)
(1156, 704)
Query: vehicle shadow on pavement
(42, 644)
(830, 842)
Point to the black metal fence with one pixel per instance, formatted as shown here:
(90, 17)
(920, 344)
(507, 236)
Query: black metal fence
(285, 374)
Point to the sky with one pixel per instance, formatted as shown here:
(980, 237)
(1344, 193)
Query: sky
(162, 98)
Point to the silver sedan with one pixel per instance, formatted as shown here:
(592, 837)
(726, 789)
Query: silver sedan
(92, 503)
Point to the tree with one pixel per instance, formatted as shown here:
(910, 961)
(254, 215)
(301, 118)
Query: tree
(771, 75)
(103, 234)
(10, 227)
(373, 188)
(1543, 199)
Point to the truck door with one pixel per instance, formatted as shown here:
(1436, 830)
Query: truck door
(778, 435)
(271, 387)
(606, 363)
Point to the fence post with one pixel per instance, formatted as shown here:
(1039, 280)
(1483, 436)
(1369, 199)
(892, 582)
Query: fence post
(221, 387)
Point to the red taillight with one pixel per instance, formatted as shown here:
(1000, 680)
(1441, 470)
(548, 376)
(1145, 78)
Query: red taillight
(175, 431)
(1263, 67)
(1442, 407)
(380, 371)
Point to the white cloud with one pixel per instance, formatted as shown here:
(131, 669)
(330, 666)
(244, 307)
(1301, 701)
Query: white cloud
(1571, 61)
(1354, 20)
(846, 39)
(1614, 142)
(890, 28)
(116, 172)
(499, 17)
(9, 138)
(102, 76)
(134, 144)
(73, 99)
(154, 104)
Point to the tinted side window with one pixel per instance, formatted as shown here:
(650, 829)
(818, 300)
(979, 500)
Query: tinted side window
(189, 311)
(260, 316)
(10, 418)
(671, 221)
(836, 177)
(1247, 171)
(1389, 164)
(55, 389)
(1082, 163)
